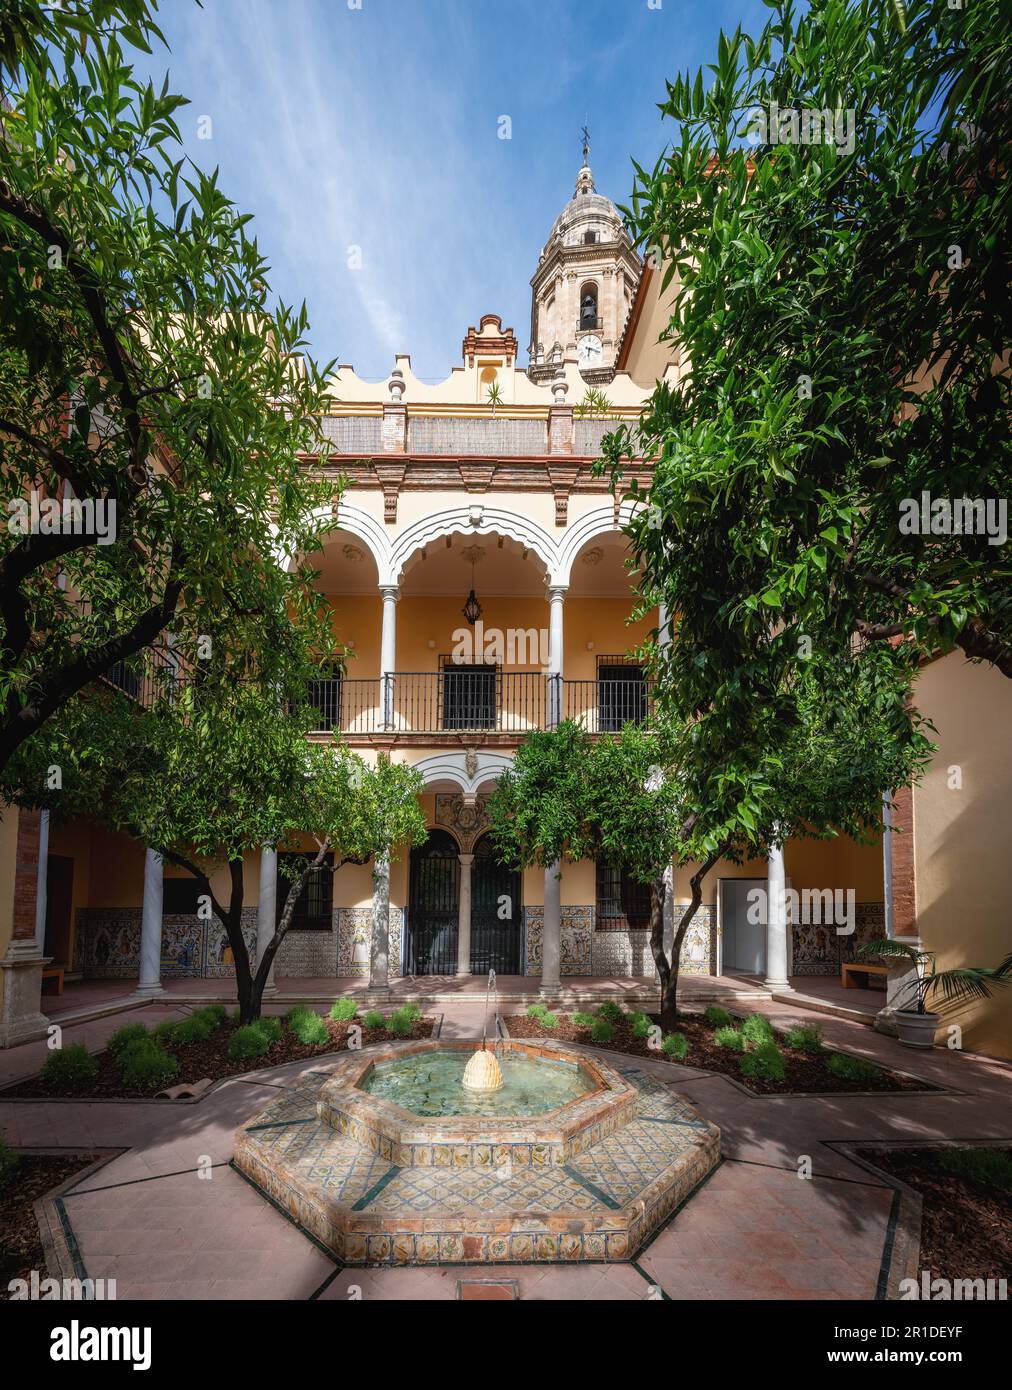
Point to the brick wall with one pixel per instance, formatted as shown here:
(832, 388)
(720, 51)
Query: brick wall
(26, 872)
(903, 877)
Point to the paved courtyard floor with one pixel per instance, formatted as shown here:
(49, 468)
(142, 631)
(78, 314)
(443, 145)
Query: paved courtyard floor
(168, 1218)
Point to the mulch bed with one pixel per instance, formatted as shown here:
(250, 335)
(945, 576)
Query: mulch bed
(966, 1228)
(208, 1058)
(805, 1072)
(20, 1246)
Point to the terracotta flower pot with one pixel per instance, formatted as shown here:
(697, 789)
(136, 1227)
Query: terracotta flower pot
(916, 1030)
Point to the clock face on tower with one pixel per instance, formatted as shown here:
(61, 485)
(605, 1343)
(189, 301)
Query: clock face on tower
(588, 349)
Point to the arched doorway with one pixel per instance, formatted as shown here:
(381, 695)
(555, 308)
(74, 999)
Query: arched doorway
(433, 906)
(496, 914)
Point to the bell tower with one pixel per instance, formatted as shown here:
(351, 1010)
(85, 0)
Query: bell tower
(584, 285)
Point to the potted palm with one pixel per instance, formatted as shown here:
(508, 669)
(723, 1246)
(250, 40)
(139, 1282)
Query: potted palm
(915, 1022)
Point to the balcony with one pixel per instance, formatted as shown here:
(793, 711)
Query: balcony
(479, 700)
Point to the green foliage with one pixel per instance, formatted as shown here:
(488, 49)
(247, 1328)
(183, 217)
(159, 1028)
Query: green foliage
(411, 1010)
(193, 1029)
(343, 1010)
(987, 1167)
(766, 1061)
(601, 1031)
(640, 1024)
(70, 1063)
(720, 1018)
(8, 1164)
(143, 1064)
(582, 1020)
(215, 1013)
(165, 1032)
(372, 1018)
(296, 1012)
(310, 1029)
(775, 511)
(610, 1010)
(729, 1037)
(400, 1023)
(963, 984)
(537, 812)
(536, 1010)
(126, 1035)
(757, 1030)
(848, 1068)
(270, 1027)
(134, 288)
(675, 1045)
(806, 1037)
(548, 1019)
(249, 1041)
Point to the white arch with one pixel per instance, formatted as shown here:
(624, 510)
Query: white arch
(477, 519)
(358, 523)
(451, 767)
(596, 523)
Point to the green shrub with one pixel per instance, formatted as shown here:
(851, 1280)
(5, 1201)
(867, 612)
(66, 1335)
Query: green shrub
(165, 1032)
(400, 1023)
(610, 1011)
(988, 1167)
(70, 1063)
(145, 1064)
(536, 1010)
(192, 1029)
(123, 1037)
(372, 1018)
(729, 1037)
(215, 1014)
(412, 1010)
(580, 1020)
(248, 1041)
(720, 1018)
(343, 1010)
(602, 1031)
(298, 1011)
(310, 1029)
(758, 1030)
(8, 1163)
(549, 1020)
(270, 1027)
(675, 1045)
(640, 1025)
(765, 1061)
(852, 1068)
(806, 1037)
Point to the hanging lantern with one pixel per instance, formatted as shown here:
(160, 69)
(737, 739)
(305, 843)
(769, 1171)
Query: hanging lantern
(472, 609)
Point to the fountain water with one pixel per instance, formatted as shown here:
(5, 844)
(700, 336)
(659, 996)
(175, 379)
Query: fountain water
(483, 1072)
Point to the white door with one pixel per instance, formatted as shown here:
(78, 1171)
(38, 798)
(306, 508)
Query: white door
(744, 941)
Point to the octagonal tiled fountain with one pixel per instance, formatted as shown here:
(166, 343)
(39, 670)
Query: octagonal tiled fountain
(385, 1158)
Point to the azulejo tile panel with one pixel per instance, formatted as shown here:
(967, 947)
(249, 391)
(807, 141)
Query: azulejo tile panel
(600, 1205)
(819, 949)
(354, 937)
(575, 945)
(628, 952)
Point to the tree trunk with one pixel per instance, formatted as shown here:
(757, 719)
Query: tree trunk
(259, 980)
(668, 970)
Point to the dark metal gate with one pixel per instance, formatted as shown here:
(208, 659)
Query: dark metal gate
(496, 938)
(433, 906)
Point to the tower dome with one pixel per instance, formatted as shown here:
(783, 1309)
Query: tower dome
(583, 287)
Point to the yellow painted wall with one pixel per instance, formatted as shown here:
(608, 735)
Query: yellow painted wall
(963, 836)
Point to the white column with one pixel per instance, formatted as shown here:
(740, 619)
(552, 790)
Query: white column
(267, 910)
(776, 921)
(150, 981)
(551, 932)
(388, 651)
(663, 626)
(556, 598)
(464, 916)
(379, 949)
(40, 884)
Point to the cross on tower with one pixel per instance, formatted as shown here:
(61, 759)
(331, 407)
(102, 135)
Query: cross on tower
(586, 144)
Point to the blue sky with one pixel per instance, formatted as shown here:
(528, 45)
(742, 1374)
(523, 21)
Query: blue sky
(378, 127)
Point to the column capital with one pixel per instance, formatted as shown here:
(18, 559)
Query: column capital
(557, 592)
(466, 860)
(390, 591)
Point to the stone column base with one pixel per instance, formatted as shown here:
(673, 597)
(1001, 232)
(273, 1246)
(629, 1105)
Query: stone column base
(150, 992)
(21, 1018)
(781, 986)
(378, 991)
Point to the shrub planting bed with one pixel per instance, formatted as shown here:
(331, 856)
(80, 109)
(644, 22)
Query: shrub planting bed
(966, 1226)
(715, 1041)
(138, 1061)
(24, 1178)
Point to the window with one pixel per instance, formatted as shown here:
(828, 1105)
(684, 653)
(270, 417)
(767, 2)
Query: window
(315, 907)
(622, 903)
(621, 694)
(179, 897)
(469, 696)
(588, 307)
(589, 238)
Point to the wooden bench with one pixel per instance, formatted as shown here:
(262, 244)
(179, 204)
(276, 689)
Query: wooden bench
(53, 972)
(860, 968)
